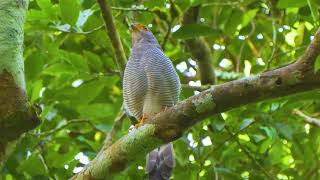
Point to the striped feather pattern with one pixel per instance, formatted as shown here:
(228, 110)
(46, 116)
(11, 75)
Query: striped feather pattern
(150, 81)
(150, 84)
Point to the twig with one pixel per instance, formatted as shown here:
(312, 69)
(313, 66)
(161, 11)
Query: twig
(232, 136)
(274, 43)
(133, 9)
(308, 119)
(247, 152)
(199, 48)
(96, 76)
(253, 28)
(115, 128)
(289, 51)
(80, 32)
(166, 37)
(73, 121)
(113, 34)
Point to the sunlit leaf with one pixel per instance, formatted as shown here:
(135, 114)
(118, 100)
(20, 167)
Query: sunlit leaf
(37, 161)
(291, 3)
(70, 10)
(194, 30)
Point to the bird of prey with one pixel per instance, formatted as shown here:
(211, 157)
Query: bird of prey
(150, 84)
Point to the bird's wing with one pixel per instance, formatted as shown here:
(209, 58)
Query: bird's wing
(135, 85)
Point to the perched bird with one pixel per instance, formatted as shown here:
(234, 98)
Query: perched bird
(150, 84)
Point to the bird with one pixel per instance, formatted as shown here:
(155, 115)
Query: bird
(150, 85)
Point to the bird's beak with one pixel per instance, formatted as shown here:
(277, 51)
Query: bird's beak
(133, 27)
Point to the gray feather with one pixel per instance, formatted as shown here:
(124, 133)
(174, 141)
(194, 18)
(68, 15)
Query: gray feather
(160, 163)
(150, 84)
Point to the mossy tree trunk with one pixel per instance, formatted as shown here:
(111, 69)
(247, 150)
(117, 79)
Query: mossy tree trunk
(16, 114)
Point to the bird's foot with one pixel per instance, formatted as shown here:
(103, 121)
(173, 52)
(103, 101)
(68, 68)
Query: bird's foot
(140, 122)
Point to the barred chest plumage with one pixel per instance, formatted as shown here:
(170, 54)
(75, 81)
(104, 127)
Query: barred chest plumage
(150, 81)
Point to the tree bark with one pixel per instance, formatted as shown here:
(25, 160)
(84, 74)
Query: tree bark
(199, 48)
(16, 114)
(170, 124)
(120, 56)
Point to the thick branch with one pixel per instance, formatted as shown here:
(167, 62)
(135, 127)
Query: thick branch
(113, 34)
(199, 49)
(16, 114)
(170, 124)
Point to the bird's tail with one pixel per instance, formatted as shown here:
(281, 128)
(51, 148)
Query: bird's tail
(160, 163)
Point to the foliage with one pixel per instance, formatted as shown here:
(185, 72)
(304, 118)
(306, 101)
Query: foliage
(71, 74)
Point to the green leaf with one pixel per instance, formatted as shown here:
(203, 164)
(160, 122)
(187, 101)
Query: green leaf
(94, 145)
(265, 145)
(300, 34)
(61, 156)
(314, 9)
(33, 65)
(49, 9)
(77, 61)
(44, 4)
(87, 91)
(233, 21)
(193, 31)
(94, 61)
(70, 10)
(245, 123)
(292, 3)
(36, 88)
(59, 68)
(34, 165)
(285, 130)
(317, 64)
(270, 132)
(96, 111)
(248, 16)
(276, 153)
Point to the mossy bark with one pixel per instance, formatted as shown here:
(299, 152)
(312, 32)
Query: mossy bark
(16, 114)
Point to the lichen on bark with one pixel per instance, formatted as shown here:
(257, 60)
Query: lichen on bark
(204, 104)
(16, 114)
(12, 14)
(119, 155)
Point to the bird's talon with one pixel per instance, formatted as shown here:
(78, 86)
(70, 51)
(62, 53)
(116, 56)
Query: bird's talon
(140, 122)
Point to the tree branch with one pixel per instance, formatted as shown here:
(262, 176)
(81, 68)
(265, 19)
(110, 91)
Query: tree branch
(17, 115)
(113, 34)
(196, 88)
(250, 156)
(307, 119)
(170, 124)
(199, 48)
(143, 9)
(68, 123)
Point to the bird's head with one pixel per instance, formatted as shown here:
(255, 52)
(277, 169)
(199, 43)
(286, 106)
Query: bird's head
(141, 32)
